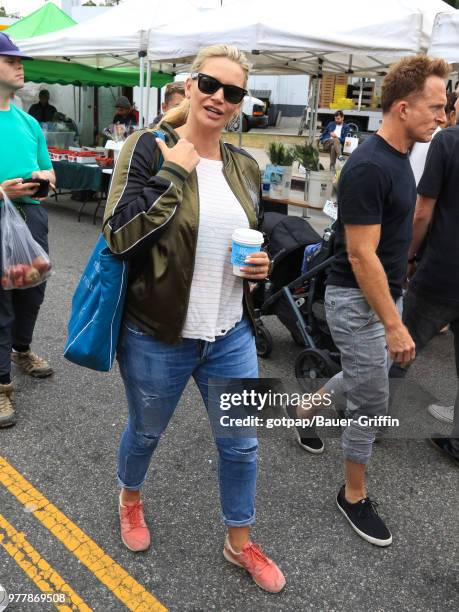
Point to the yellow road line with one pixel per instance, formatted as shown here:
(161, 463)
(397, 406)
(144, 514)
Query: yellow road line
(132, 594)
(37, 569)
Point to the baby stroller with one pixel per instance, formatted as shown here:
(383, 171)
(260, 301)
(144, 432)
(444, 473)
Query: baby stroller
(297, 299)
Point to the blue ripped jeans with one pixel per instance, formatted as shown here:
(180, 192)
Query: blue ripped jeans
(155, 375)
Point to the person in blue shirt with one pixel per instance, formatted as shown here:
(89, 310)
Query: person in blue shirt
(333, 137)
(24, 156)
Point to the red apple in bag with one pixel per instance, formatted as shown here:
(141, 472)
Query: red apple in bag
(41, 264)
(31, 276)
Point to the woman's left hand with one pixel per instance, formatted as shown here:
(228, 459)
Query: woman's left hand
(257, 266)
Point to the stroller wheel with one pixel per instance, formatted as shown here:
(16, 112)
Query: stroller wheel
(263, 340)
(313, 365)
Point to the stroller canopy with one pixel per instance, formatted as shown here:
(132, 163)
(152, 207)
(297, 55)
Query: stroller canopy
(287, 233)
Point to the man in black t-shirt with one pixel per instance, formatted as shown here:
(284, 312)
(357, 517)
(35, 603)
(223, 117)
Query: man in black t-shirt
(43, 111)
(376, 202)
(432, 299)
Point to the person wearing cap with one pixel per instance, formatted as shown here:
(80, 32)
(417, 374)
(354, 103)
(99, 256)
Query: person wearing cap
(125, 114)
(24, 156)
(42, 110)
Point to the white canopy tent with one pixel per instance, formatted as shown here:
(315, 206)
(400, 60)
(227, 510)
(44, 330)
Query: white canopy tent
(445, 37)
(288, 38)
(292, 36)
(116, 38)
(297, 37)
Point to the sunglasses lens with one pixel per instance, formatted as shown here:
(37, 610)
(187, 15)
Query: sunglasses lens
(209, 85)
(233, 94)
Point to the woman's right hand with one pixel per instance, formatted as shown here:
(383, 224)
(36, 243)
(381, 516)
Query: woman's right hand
(183, 153)
(16, 188)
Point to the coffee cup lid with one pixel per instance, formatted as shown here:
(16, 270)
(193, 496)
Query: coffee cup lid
(248, 236)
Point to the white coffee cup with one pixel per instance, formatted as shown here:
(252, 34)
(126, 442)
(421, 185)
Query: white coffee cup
(245, 242)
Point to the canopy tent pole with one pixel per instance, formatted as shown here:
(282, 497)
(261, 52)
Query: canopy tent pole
(74, 103)
(315, 101)
(148, 86)
(359, 107)
(142, 55)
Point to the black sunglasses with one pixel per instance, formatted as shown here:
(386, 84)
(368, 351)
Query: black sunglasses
(208, 85)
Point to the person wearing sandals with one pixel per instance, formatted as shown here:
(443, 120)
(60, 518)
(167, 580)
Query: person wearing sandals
(186, 313)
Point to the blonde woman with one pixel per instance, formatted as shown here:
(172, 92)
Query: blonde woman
(186, 313)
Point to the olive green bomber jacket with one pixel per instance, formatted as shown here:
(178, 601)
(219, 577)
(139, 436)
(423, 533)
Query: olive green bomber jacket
(152, 218)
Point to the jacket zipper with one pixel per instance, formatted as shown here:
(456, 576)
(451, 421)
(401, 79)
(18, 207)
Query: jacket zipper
(193, 263)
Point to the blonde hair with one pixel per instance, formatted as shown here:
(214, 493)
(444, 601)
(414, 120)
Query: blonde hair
(177, 116)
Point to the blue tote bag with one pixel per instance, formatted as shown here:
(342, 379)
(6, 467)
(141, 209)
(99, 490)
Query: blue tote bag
(97, 308)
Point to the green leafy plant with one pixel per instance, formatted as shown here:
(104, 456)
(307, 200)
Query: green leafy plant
(280, 154)
(308, 156)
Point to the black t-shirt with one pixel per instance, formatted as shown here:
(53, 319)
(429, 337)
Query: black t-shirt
(438, 272)
(376, 187)
(43, 114)
(127, 120)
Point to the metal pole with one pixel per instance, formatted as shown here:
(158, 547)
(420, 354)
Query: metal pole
(312, 132)
(147, 105)
(360, 95)
(142, 55)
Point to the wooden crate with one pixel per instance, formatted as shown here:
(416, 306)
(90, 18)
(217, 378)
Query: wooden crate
(326, 90)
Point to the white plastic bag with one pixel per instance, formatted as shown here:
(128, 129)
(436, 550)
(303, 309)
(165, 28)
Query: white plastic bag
(25, 263)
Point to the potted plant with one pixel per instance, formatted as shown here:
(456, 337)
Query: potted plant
(280, 170)
(318, 180)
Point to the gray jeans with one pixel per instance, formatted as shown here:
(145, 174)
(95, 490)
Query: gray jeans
(360, 337)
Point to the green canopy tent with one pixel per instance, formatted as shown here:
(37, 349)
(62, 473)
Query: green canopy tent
(50, 18)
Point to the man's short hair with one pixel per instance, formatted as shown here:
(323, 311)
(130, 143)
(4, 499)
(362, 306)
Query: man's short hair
(43, 92)
(339, 113)
(408, 76)
(178, 87)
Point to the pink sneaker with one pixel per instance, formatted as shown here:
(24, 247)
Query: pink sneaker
(263, 570)
(134, 530)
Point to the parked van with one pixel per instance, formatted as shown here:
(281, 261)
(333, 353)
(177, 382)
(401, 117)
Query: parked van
(253, 115)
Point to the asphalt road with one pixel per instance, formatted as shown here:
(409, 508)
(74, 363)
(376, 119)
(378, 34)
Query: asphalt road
(58, 492)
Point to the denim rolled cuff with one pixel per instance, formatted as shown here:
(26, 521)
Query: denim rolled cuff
(130, 487)
(243, 523)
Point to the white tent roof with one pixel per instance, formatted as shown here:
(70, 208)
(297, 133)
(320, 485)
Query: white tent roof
(291, 35)
(115, 37)
(445, 37)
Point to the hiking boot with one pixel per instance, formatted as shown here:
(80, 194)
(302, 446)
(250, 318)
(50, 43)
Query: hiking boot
(441, 413)
(364, 519)
(7, 415)
(263, 570)
(134, 530)
(32, 364)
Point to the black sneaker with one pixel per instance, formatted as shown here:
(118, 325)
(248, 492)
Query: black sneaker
(306, 437)
(444, 445)
(364, 519)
